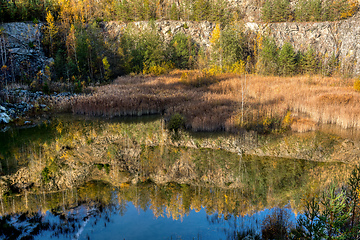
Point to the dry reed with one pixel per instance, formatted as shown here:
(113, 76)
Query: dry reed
(229, 102)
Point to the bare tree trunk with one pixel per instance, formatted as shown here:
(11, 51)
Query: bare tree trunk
(3, 51)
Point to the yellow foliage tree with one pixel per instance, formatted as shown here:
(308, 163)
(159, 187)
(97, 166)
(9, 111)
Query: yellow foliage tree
(53, 30)
(215, 35)
(216, 50)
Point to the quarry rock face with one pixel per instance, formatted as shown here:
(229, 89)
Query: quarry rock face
(339, 39)
(328, 39)
(21, 51)
(199, 31)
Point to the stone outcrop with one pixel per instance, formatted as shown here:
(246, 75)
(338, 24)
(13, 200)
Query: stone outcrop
(4, 117)
(199, 31)
(21, 51)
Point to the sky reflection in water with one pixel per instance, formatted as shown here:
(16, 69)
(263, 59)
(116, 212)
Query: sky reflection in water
(137, 223)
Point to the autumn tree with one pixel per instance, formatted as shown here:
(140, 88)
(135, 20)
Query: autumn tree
(216, 48)
(52, 31)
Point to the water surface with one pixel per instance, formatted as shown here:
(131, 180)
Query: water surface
(77, 178)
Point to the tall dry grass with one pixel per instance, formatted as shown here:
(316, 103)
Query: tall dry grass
(230, 102)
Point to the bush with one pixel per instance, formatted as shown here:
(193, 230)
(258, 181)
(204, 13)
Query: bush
(176, 122)
(287, 121)
(46, 88)
(308, 10)
(107, 168)
(334, 214)
(357, 85)
(78, 86)
(99, 166)
(45, 175)
(158, 69)
(174, 12)
(239, 67)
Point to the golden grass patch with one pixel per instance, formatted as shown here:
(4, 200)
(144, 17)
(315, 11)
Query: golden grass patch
(302, 125)
(227, 102)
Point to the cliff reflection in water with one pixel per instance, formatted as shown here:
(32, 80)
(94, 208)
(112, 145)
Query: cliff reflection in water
(71, 175)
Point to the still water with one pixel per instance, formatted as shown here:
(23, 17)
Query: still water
(73, 178)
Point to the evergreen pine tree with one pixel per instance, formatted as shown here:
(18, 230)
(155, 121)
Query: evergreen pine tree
(174, 12)
(268, 64)
(287, 60)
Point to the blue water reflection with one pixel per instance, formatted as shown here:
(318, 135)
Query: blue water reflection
(135, 223)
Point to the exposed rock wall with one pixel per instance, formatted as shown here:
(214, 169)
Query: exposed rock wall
(340, 39)
(21, 48)
(21, 51)
(199, 31)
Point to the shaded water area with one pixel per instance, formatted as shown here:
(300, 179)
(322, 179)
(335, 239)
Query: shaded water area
(78, 178)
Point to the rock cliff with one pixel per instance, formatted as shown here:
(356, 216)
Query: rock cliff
(329, 39)
(199, 31)
(21, 51)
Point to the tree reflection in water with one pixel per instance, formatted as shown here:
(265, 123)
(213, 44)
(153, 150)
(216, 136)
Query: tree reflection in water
(109, 169)
(99, 207)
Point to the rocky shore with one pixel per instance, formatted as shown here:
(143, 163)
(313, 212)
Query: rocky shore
(23, 107)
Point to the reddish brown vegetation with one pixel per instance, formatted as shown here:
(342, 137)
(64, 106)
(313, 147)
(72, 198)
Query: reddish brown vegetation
(217, 105)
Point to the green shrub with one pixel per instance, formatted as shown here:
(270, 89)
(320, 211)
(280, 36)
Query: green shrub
(174, 12)
(78, 87)
(107, 168)
(334, 214)
(176, 122)
(309, 10)
(31, 45)
(99, 166)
